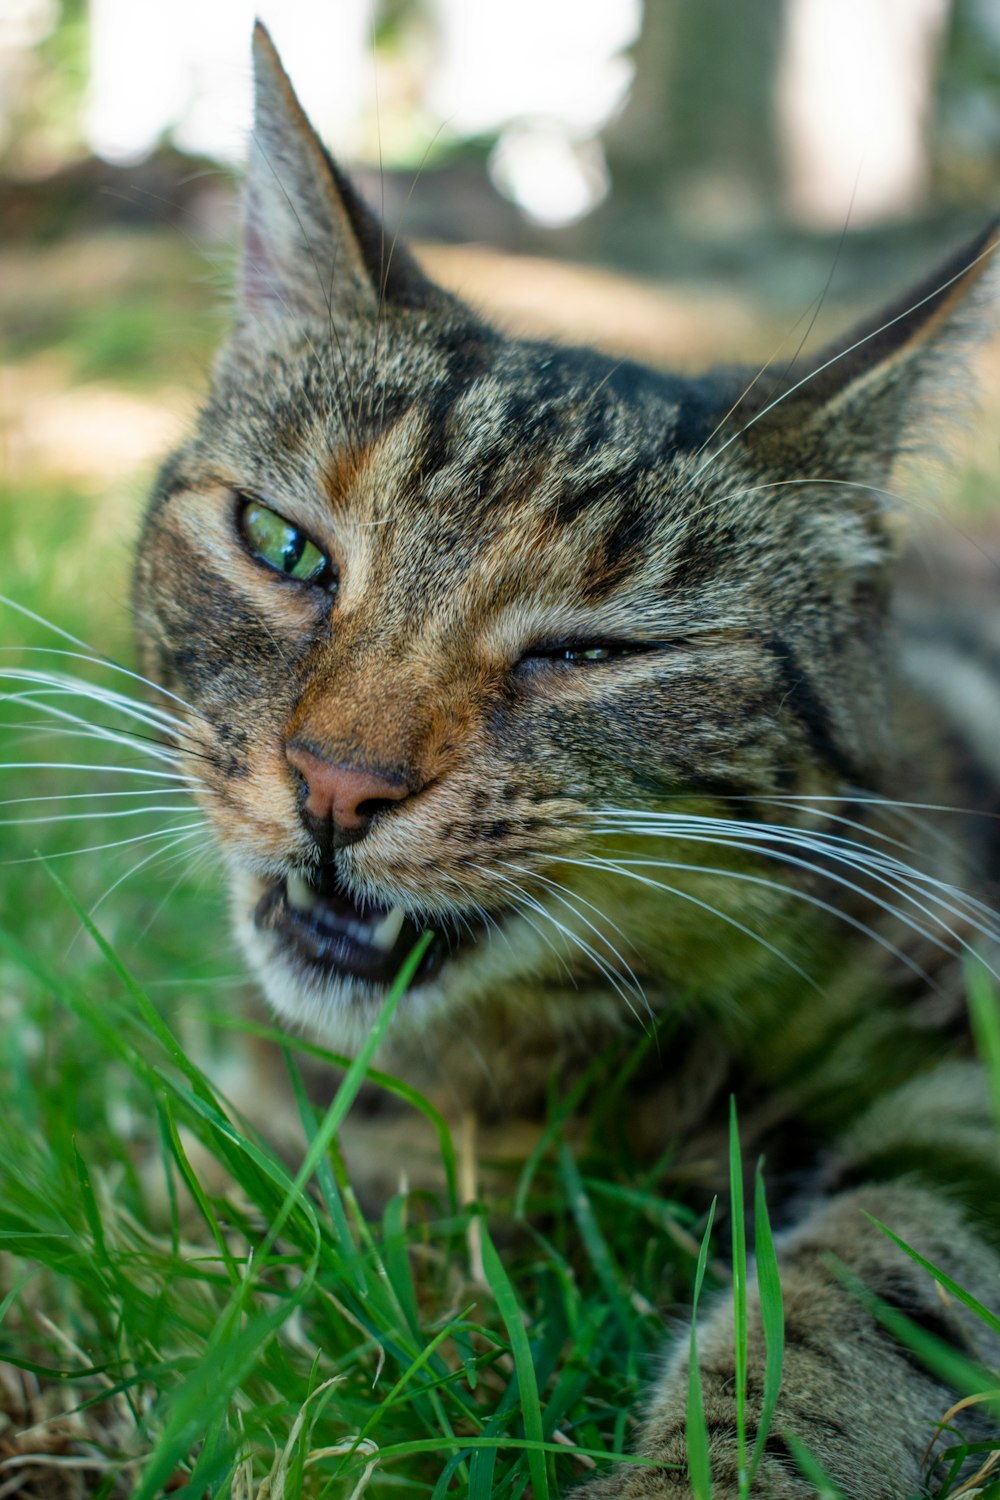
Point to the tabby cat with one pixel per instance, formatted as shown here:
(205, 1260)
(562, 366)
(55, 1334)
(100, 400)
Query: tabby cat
(589, 671)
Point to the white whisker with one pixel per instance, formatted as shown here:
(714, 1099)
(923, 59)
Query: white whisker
(86, 653)
(569, 900)
(82, 730)
(598, 863)
(775, 842)
(575, 940)
(183, 838)
(93, 817)
(68, 765)
(91, 796)
(44, 685)
(835, 358)
(138, 838)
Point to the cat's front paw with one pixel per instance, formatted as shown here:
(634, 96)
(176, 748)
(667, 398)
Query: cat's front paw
(856, 1400)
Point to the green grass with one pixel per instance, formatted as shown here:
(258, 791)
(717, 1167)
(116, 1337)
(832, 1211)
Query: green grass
(216, 1322)
(197, 1324)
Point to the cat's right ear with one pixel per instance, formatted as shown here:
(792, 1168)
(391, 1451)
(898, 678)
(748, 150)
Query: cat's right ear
(311, 247)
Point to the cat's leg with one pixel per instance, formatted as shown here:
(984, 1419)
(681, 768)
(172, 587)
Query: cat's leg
(864, 1405)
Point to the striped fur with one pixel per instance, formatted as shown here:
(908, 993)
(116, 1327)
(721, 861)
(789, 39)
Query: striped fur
(700, 816)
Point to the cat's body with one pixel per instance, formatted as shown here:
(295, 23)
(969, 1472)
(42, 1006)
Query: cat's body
(587, 669)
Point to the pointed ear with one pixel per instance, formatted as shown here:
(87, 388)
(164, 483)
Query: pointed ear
(879, 391)
(310, 245)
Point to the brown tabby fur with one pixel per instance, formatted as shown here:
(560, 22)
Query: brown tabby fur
(485, 500)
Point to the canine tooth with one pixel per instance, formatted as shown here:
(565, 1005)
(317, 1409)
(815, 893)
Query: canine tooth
(300, 893)
(384, 935)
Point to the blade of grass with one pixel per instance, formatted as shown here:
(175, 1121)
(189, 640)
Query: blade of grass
(972, 1303)
(939, 1357)
(810, 1468)
(394, 1086)
(207, 1393)
(348, 1090)
(426, 1356)
(552, 1129)
(594, 1242)
(396, 1260)
(772, 1314)
(198, 1195)
(524, 1368)
(699, 1464)
(984, 1009)
(739, 1237)
(147, 1009)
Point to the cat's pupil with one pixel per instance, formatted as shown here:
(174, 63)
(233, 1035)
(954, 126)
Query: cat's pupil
(293, 549)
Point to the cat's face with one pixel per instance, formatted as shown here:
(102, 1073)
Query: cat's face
(442, 602)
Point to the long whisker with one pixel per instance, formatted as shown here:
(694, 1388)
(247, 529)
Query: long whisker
(575, 940)
(813, 308)
(46, 684)
(471, 906)
(138, 838)
(80, 729)
(147, 859)
(543, 936)
(774, 842)
(93, 817)
(628, 870)
(570, 900)
(64, 765)
(94, 730)
(88, 654)
(91, 796)
(832, 846)
(194, 863)
(882, 868)
(182, 838)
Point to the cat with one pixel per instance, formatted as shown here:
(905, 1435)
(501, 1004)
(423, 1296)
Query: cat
(589, 671)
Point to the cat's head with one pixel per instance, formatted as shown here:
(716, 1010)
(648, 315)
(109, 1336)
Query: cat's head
(455, 612)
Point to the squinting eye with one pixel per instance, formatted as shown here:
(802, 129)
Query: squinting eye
(587, 653)
(279, 544)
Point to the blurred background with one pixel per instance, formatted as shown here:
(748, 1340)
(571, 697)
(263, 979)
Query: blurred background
(688, 181)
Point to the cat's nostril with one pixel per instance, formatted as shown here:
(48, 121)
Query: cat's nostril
(346, 796)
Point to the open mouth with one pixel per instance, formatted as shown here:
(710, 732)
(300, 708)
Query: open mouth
(329, 929)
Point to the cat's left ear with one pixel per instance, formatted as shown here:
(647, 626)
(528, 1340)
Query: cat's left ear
(311, 247)
(878, 391)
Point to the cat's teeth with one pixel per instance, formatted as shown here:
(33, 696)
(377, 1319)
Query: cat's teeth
(385, 934)
(300, 893)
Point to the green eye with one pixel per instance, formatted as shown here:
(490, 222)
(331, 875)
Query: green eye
(282, 546)
(587, 653)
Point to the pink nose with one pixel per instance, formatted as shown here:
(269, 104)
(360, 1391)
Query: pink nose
(349, 796)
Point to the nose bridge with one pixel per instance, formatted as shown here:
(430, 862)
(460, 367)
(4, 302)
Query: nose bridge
(369, 710)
